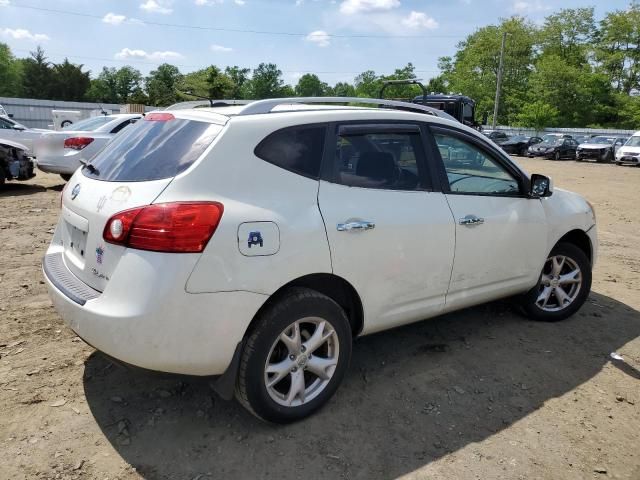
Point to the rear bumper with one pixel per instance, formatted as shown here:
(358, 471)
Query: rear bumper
(61, 164)
(151, 322)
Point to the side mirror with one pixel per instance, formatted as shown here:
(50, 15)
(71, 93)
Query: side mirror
(541, 186)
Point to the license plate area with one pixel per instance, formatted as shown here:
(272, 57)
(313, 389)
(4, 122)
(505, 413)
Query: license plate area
(75, 242)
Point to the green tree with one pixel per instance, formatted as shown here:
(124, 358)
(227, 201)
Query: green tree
(569, 34)
(617, 48)
(344, 89)
(240, 80)
(367, 84)
(104, 88)
(161, 85)
(537, 115)
(266, 82)
(406, 92)
(309, 85)
(10, 73)
(37, 75)
(473, 70)
(128, 82)
(69, 82)
(219, 85)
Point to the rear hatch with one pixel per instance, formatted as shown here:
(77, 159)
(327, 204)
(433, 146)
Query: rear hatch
(131, 172)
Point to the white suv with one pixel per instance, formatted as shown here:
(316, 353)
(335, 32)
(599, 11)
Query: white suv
(256, 242)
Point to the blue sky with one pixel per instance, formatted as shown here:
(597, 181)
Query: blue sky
(370, 34)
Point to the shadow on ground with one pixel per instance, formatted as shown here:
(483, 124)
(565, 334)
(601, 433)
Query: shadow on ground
(16, 189)
(412, 395)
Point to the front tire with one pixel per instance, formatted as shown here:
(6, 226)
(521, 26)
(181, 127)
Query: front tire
(564, 285)
(66, 176)
(295, 358)
(556, 156)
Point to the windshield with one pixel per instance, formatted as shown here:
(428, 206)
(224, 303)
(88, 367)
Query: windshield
(89, 124)
(602, 140)
(553, 141)
(519, 138)
(633, 142)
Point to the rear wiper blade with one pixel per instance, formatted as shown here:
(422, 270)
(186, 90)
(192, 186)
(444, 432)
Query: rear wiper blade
(90, 167)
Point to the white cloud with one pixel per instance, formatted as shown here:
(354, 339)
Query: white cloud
(349, 7)
(127, 53)
(157, 6)
(113, 18)
(418, 20)
(239, 2)
(522, 6)
(4, 3)
(22, 34)
(220, 48)
(319, 37)
(201, 3)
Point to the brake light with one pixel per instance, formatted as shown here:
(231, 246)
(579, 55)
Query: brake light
(77, 143)
(179, 227)
(159, 117)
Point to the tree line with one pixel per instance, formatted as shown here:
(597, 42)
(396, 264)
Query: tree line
(571, 71)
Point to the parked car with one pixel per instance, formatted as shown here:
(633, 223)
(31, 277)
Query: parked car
(255, 242)
(555, 148)
(15, 163)
(497, 136)
(16, 132)
(629, 153)
(63, 151)
(519, 144)
(600, 148)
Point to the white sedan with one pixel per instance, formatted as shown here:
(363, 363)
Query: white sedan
(16, 132)
(255, 242)
(63, 151)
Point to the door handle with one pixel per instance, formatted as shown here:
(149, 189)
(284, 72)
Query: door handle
(471, 220)
(347, 227)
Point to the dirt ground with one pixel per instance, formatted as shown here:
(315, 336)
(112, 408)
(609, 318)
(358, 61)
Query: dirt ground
(481, 394)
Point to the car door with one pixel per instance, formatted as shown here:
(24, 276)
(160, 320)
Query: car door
(391, 236)
(501, 234)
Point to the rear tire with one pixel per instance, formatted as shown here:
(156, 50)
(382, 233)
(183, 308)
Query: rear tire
(564, 285)
(295, 358)
(556, 156)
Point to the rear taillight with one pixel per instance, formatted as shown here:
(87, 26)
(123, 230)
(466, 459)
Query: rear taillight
(180, 227)
(77, 143)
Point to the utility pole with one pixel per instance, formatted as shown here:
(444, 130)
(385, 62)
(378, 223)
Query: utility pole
(499, 82)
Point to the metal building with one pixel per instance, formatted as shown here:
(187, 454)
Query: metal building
(37, 113)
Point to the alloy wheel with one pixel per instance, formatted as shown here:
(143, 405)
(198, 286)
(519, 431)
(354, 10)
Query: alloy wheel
(301, 361)
(560, 283)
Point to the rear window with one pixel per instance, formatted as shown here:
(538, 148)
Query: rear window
(298, 149)
(89, 124)
(152, 150)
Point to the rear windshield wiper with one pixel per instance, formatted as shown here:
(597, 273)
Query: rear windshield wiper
(90, 167)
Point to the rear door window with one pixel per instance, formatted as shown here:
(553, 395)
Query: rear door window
(152, 150)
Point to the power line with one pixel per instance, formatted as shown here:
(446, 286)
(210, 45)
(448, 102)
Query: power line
(229, 30)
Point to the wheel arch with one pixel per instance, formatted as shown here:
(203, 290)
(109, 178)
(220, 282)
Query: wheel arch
(333, 286)
(580, 239)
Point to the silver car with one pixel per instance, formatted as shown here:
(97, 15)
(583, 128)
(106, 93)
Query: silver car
(62, 152)
(16, 132)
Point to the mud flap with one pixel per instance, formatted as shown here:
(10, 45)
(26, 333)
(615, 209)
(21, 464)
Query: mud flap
(225, 385)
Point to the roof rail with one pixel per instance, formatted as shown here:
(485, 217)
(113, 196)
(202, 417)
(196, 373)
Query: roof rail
(266, 106)
(206, 103)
